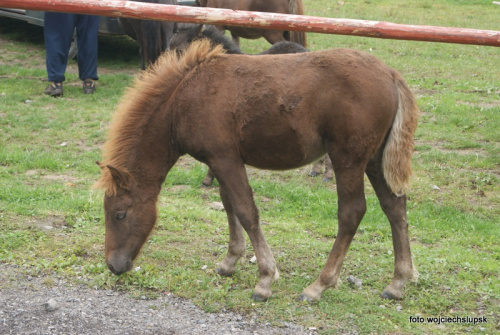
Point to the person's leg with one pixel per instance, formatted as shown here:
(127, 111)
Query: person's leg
(58, 31)
(87, 28)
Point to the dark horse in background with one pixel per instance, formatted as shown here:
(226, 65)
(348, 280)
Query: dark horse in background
(271, 6)
(153, 36)
(228, 111)
(187, 33)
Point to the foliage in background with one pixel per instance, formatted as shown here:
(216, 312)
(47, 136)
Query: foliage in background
(50, 219)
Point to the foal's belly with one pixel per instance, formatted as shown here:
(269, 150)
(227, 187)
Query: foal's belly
(289, 158)
(277, 146)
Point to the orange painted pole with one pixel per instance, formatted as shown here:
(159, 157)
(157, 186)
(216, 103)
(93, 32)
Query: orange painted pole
(260, 20)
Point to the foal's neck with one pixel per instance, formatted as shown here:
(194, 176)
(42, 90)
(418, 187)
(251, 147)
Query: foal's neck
(155, 154)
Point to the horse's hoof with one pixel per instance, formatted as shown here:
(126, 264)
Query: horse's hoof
(304, 298)
(207, 181)
(388, 295)
(313, 174)
(258, 298)
(223, 273)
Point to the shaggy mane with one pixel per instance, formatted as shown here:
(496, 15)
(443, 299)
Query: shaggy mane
(149, 90)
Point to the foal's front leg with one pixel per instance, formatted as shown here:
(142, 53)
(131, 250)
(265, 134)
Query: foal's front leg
(237, 197)
(236, 248)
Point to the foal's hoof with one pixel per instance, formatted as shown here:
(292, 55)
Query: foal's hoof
(313, 174)
(388, 295)
(258, 297)
(223, 273)
(327, 180)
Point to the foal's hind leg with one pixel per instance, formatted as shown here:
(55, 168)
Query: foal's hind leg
(237, 197)
(395, 209)
(351, 209)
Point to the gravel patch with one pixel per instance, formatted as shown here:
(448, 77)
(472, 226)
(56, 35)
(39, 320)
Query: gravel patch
(49, 305)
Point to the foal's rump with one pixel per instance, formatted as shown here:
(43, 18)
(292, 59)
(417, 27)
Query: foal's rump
(285, 111)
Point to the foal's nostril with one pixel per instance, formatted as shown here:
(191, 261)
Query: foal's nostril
(111, 268)
(114, 270)
(118, 270)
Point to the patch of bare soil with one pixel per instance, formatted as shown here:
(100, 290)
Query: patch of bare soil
(50, 222)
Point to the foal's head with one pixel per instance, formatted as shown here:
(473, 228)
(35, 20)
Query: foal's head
(129, 217)
(138, 154)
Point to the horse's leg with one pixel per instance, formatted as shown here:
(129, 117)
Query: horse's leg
(351, 209)
(274, 36)
(237, 195)
(209, 178)
(167, 31)
(328, 169)
(395, 209)
(143, 58)
(236, 248)
(316, 169)
(236, 39)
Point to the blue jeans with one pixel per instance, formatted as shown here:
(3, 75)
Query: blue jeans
(58, 32)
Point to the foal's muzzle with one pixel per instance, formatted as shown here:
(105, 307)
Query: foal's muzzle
(119, 265)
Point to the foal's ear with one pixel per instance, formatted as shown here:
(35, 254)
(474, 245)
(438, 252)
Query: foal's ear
(121, 178)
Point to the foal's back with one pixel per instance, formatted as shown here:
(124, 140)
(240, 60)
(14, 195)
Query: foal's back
(288, 106)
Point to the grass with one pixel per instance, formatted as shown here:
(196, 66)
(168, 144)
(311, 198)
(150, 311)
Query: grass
(48, 148)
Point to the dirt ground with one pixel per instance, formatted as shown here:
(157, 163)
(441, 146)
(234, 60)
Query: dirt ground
(47, 304)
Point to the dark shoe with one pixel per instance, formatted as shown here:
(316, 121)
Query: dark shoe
(88, 86)
(54, 90)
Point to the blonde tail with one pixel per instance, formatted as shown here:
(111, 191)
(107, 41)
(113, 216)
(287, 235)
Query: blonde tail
(399, 146)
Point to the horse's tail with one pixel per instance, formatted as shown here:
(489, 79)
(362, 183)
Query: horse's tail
(399, 146)
(297, 7)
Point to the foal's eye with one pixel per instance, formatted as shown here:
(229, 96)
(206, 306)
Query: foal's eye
(120, 216)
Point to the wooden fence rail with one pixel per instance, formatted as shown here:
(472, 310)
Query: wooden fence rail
(260, 20)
